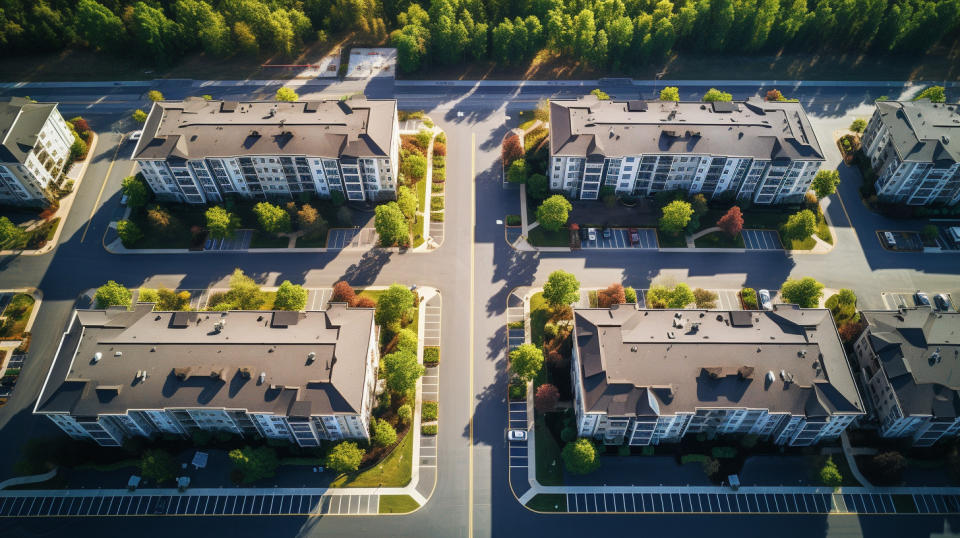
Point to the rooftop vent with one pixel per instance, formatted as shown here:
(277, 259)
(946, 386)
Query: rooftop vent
(118, 354)
(770, 377)
(311, 356)
(97, 356)
(262, 378)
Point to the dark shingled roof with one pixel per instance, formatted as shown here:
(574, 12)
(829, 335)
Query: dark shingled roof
(923, 131)
(652, 362)
(20, 124)
(195, 129)
(919, 350)
(313, 363)
(753, 128)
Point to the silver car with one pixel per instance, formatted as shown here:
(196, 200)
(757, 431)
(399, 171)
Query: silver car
(517, 435)
(765, 301)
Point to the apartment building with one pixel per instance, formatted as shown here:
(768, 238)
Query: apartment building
(297, 376)
(645, 377)
(34, 147)
(754, 150)
(907, 359)
(914, 146)
(199, 151)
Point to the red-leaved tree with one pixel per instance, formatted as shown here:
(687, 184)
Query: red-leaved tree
(364, 302)
(611, 296)
(512, 149)
(343, 293)
(546, 398)
(774, 95)
(732, 221)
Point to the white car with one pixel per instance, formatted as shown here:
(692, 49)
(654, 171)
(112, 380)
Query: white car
(136, 135)
(765, 301)
(516, 435)
(592, 234)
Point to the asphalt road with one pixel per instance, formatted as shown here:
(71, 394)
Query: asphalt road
(475, 270)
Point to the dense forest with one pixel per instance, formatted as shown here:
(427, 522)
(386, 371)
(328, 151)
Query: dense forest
(601, 33)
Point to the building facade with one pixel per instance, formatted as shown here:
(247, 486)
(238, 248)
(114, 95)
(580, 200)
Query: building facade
(907, 359)
(302, 377)
(914, 146)
(754, 150)
(34, 147)
(199, 151)
(645, 377)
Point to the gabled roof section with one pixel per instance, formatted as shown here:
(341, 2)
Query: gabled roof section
(922, 131)
(20, 123)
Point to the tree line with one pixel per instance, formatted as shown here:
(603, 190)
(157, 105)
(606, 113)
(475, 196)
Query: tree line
(601, 33)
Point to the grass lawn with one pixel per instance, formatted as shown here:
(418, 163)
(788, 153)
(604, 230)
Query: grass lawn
(823, 229)
(17, 312)
(264, 240)
(523, 119)
(547, 452)
(540, 237)
(373, 294)
(802, 244)
(539, 314)
(421, 195)
(316, 241)
(397, 504)
(671, 241)
(417, 231)
(33, 238)
(719, 240)
(393, 472)
(548, 502)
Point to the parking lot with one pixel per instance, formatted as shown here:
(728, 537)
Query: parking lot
(894, 300)
(431, 328)
(726, 299)
(761, 240)
(136, 504)
(341, 238)
(240, 241)
(620, 238)
(765, 503)
(317, 298)
(518, 421)
(902, 241)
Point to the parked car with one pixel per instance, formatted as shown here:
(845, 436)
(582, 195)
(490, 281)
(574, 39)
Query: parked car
(921, 299)
(942, 301)
(136, 135)
(592, 234)
(517, 435)
(123, 199)
(634, 236)
(606, 233)
(584, 234)
(765, 301)
(891, 240)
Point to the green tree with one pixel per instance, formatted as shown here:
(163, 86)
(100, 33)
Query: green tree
(311, 223)
(830, 475)
(393, 305)
(204, 26)
(245, 38)
(517, 171)
(290, 297)
(526, 360)
(580, 456)
(562, 288)
(391, 225)
(554, 212)
(112, 294)
(405, 413)
(407, 202)
(538, 186)
(800, 225)
(98, 26)
(158, 465)
(935, 94)
(170, 300)
(714, 94)
(805, 292)
(244, 294)
(930, 232)
(129, 232)
(10, 233)
(825, 183)
(154, 95)
(345, 457)
(254, 463)
(858, 125)
(675, 217)
(139, 116)
(157, 37)
(382, 433)
(221, 223)
(414, 167)
(137, 192)
(402, 371)
(273, 219)
(630, 295)
(678, 296)
(670, 93)
(602, 95)
(286, 94)
(406, 341)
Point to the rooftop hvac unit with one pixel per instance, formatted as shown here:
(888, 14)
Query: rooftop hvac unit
(97, 356)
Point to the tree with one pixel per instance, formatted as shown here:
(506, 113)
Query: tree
(405, 414)
(935, 94)
(221, 223)
(139, 116)
(546, 398)
(245, 38)
(670, 93)
(580, 456)
(112, 294)
(78, 150)
(157, 37)
(345, 457)
(886, 468)
(158, 465)
(678, 296)
(517, 171)
(129, 232)
(614, 294)
(382, 433)
(311, 223)
(10, 233)
(858, 125)
(154, 95)
(732, 221)
(290, 297)
(391, 225)
(137, 192)
(98, 26)
(286, 94)
(800, 225)
(392, 305)
(630, 295)
(272, 218)
(407, 202)
(364, 302)
(406, 340)
(511, 150)
(675, 217)
(402, 371)
(343, 293)
(172, 301)
(414, 167)
(254, 463)
(244, 294)
(161, 221)
(705, 298)
(805, 292)
(714, 94)
(843, 306)
(602, 95)
(554, 212)
(526, 360)
(562, 288)
(825, 183)
(829, 474)
(538, 186)
(699, 204)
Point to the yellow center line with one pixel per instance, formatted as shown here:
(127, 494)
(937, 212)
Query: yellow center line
(93, 210)
(473, 225)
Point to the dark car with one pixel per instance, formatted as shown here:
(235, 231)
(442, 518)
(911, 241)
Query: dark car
(942, 302)
(606, 233)
(921, 299)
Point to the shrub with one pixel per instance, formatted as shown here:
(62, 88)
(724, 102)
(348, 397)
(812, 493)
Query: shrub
(428, 429)
(546, 398)
(431, 356)
(930, 232)
(723, 452)
(830, 475)
(423, 138)
(364, 302)
(439, 148)
(517, 171)
(139, 116)
(436, 216)
(538, 186)
(511, 149)
(129, 233)
(343, 293)
(705, 298)
(513, 220)
(614, 294)
(439, 175)
(254, 463)
(383, 433)
(414, 167)
(429, 411)
(886, 468)
(345, 457)
(602, 95)
(405, 413)
(533, 138)
(749, 298)
(568, 433)
(580, 456)
(112, 294)
(630, 295)
(436, 203)
(517, 391)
